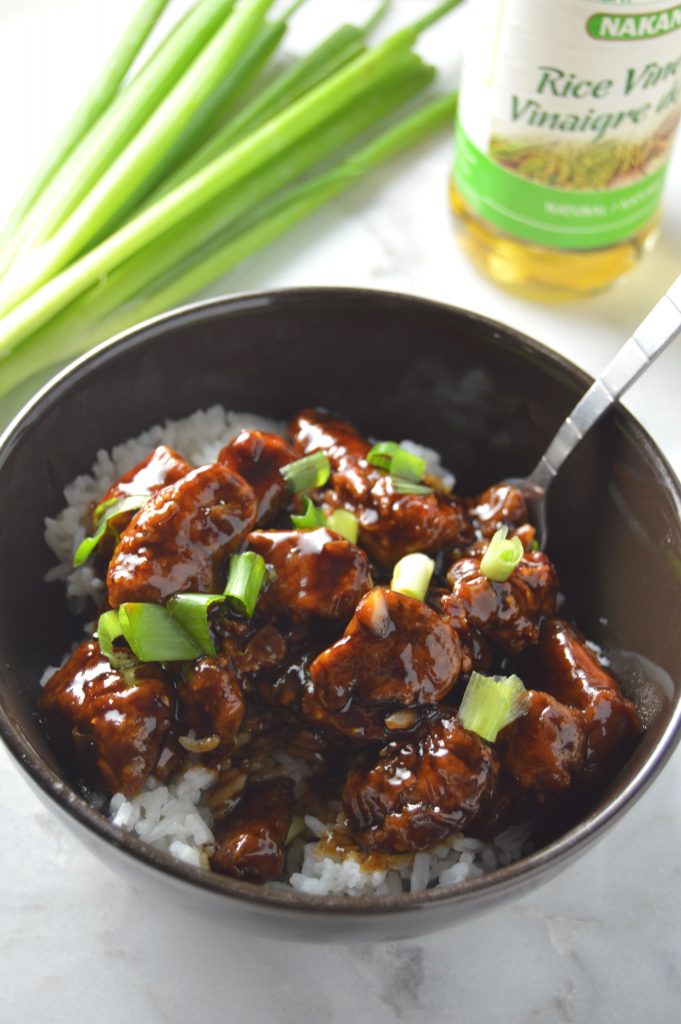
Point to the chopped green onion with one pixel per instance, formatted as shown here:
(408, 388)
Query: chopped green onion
(490, 703)
(107, 510)
(534, 545)
(344, 523)
(308, 473)
(246, 576)
(108, 629)
(311, 518)
(407, 487)
(154, 635)
(501, 556)
(296, 827)
(411, 575)
(389, 456)
(191, 611)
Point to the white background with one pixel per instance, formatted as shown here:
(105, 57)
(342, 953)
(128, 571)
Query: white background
(599, 944)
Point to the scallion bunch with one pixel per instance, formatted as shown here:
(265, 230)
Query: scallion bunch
(176, 169)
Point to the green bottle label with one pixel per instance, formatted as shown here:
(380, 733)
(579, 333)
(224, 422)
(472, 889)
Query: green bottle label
(562, 138)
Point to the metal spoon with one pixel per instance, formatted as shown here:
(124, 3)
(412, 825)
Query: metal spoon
(659, 329)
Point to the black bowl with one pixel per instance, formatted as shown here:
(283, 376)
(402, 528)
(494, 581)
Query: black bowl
(489, 399)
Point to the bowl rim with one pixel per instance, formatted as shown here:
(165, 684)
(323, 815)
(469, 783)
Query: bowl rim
(529, 868)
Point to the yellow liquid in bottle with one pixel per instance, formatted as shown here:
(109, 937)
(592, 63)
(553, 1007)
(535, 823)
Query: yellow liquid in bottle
(536, 272)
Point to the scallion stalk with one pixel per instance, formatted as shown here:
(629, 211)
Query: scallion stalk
(108, 511)
(397, 461)
(501, 556)
(490, 703)
(154, 635)
(311, 519)
(344, 523)
(245, 580)
(238, 163)
(191, 611)
(281, 216)
(405, 76)
(412, 575)
(100, 147)
(108, 629)
(97, 100)
(339, 49)
(308, 473)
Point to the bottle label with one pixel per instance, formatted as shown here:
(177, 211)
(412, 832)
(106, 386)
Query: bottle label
(567, 115)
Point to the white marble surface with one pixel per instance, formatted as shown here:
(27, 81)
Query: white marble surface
(599, 944)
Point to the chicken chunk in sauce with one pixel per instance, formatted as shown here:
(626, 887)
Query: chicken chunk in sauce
(179, 539)
(113, 725)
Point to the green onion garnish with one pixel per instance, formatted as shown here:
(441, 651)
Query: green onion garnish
(389, 456)
(191, 611)
(108, 629)
(534, 545)
(107, 511)
(501, 556)
(296, 828)
(311, 518)
(154, 635)
(490, 703)
(246, 576)
(407, 487)
(307, 473)
(344, 523)
(412, 574)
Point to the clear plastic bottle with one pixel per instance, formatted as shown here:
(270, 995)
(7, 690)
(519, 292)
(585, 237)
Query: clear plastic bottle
(566, 119)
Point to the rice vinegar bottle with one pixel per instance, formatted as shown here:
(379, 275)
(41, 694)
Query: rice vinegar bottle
(566, 119)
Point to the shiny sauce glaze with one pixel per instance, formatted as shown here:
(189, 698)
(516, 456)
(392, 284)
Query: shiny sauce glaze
(334, 669)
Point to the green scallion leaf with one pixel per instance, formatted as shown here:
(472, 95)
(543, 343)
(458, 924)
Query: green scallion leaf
(296, 828)
(311, 518)
(490, 703)
(246, 577)
(501, 557)
(412, 574)
(397, 461)
(344, 523)
(108, 629)
(308, 473)
(407, 487)
(154, 635)
(191, 611)
(107, 510)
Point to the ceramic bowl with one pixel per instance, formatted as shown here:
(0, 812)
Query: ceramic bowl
(489, 399)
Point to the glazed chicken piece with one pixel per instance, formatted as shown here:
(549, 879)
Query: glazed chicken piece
(161, 467)
(421, 790)
(179, 540)
(318, 574)
(259, 457)
(314, 430)
(211, 701)
(506, 614)
(395, 648)
(250, 843)
(391, 524)
(564, 666)
(543, 749)
(113, 729)
(500, 505)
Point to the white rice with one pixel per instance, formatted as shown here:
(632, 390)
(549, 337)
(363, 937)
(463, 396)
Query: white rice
(174, 817)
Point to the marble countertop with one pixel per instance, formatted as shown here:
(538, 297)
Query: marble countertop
(599, 943)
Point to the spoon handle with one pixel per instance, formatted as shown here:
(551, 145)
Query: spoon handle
(659, 329)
